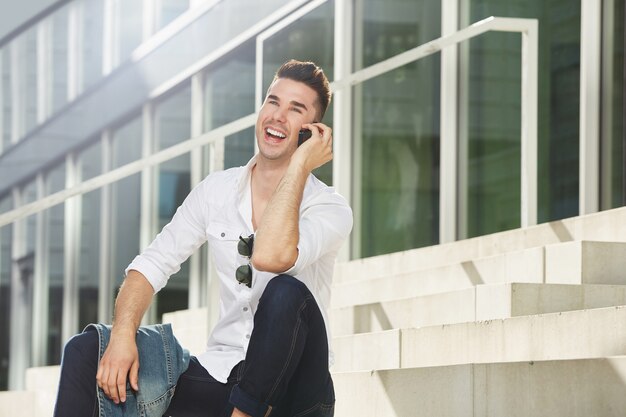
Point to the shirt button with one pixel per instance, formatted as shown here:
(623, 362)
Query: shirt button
(247, 336)
(245, 309)
(223, 234)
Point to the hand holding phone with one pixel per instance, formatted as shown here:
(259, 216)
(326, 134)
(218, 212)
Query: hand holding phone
(303, 135)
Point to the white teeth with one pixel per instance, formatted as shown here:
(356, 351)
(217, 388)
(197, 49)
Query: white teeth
(275, 133)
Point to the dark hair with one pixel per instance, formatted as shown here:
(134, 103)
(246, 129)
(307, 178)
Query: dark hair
(310, 74)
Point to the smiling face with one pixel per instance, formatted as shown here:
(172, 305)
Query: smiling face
(288, 105)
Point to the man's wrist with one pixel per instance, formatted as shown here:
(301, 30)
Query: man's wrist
(123, 331)
(298, 167)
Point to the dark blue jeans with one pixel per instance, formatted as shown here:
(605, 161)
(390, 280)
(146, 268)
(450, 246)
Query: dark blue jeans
(285, 373)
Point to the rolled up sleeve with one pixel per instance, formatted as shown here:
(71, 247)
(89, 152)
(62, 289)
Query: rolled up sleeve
(177, 241)
(325, 223)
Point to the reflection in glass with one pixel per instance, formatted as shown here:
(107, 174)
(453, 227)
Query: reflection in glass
(493, 77)
(59, 58)
(5, 99)
(170, 10)
(295, 41)
(125, 200)
(399, 134)
(55, 181)
(92, 29)
(24, 52)
(173, 125)
(613, 162)
(6, 236)
(240, 148)
(29, 195)
(130, 27)
(90, 166)
(396, 129)
(390, 27)
(229, 95)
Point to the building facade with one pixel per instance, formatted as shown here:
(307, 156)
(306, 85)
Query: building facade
(111, 110)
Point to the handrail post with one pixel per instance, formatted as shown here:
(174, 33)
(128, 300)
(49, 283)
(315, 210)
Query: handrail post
(448, 128)
(530, 47)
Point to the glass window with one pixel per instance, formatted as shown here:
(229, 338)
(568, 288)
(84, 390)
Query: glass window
(89, 260)
(613, 162)
(6, 236)
(172, 126)
(92, 29)
(390, 27)
(130, 27)
(170, 10)
(5, 99)
(295, 41)
(239, 148)
(55, 182)
(310, 38)
(229, 95)
(492, 76)
(25, 263)
(126, 198)
(26, 63)
(59, 58)
(29, 195)
(396, 131)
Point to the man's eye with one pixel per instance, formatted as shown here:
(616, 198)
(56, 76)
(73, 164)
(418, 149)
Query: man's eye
(296, 109)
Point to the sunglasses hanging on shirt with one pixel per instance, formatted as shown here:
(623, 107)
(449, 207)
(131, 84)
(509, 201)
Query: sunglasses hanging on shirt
(244, 272)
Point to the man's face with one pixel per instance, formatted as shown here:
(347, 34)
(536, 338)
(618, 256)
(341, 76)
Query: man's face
(288, 105)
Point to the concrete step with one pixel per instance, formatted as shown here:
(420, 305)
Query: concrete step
(482, 302)
(608, 226)
(19, 404)
(564, 263)
(591, 333)
(44, 382)
(555, 388)
(580, 387)
(191, 328)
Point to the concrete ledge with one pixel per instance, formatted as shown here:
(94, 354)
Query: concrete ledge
(592, 333)
(565, 263)
(572, 388)
(18, 404)
(44, 382)
(483, 302)
(524, 266)
(570, 335)
(367, 351)
(191, 328)
(590, 262)
(609, 226)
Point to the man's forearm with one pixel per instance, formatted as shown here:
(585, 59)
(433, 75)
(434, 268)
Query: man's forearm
(278, 233)
(276, 239)
(132, 302)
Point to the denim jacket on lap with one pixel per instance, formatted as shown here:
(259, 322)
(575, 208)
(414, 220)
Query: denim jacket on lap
(161, 361)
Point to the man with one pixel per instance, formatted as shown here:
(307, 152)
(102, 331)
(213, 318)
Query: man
(275, 231)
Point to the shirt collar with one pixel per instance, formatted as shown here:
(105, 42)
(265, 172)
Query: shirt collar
(244, 191)
(244, 176)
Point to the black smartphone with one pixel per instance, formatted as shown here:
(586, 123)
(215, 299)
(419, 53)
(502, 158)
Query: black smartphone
(303, 135)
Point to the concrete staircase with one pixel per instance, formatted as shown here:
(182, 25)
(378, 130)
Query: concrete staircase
(522, 323)
(529, 322)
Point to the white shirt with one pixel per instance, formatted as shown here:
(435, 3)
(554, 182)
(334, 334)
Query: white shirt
(219, 210)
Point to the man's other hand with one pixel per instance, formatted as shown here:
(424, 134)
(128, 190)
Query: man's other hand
(119, 362)
(317, 150)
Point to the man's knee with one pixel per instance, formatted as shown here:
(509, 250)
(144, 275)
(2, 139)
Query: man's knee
(81, 347)
(285, 290)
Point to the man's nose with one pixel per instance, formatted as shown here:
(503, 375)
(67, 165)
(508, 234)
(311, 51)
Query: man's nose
(280, 114)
